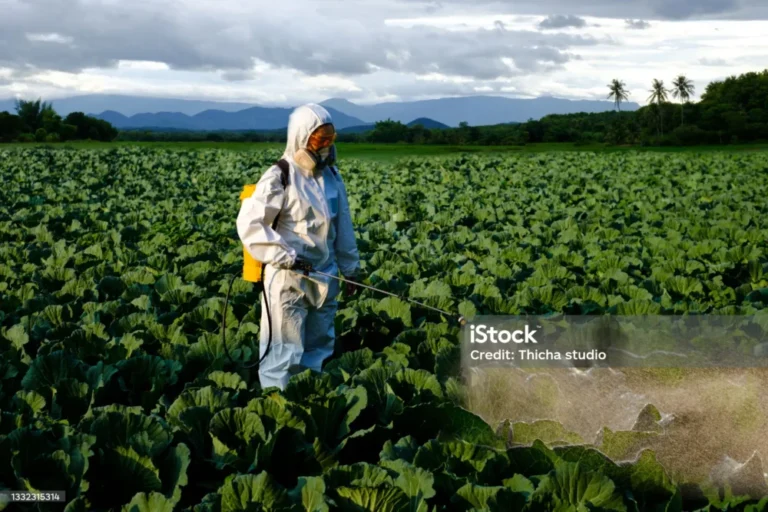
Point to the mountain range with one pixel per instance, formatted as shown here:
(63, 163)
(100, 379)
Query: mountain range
(429, 124)
(127, 112)
(253, 118)
(132, 105)
(475, 110)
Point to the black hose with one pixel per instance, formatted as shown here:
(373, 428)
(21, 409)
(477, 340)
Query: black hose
(224, 323)
(269, 316)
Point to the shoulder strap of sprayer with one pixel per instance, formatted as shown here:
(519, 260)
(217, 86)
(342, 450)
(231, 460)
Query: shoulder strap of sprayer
(283, 165)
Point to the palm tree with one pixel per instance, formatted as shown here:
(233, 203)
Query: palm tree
(618, 92)
(682, 88)
(658, 97)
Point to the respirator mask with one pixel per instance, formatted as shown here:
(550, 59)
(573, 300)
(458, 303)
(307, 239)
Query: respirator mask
(320, 150)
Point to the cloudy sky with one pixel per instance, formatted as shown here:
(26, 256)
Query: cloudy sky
(285, 53)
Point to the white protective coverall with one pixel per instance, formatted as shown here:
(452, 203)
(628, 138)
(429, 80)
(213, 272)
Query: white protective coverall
(314, 225)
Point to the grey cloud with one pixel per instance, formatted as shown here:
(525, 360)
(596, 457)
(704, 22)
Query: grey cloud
(433, 7)
(540, 57)
(683, 10)
(102, 35)
(479, 54)
(642, 9)
(637, 24)
(208, 38)
(432, 89)
(560, 21)
(713, 62)
(342, 38)
(237, 75)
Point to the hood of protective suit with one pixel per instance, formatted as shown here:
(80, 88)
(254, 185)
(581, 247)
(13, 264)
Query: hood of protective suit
(303, 121)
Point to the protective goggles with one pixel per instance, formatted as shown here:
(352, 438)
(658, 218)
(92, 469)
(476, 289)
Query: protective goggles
(322, 138)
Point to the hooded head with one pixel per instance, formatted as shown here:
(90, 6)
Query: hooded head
(303, 121)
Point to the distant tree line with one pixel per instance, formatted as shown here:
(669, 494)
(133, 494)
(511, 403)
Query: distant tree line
(149, 135)
(37, 121)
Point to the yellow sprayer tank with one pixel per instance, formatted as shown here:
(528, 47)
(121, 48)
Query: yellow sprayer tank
(251, 267)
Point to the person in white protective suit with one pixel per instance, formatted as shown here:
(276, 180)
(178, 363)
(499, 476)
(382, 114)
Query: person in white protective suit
(314, 231)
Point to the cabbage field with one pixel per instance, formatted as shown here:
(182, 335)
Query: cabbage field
(115, 386)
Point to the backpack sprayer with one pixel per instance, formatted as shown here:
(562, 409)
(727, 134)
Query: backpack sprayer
(253, 271)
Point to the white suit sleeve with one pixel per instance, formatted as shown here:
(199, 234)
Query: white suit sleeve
(254, 222)
(347, 256)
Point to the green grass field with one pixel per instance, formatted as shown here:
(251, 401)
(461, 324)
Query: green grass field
(384, 152)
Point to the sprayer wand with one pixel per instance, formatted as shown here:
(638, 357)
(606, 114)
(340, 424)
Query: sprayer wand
(461, 319)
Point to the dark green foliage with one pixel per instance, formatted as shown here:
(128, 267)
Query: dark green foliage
(37, 121)
(115, 387)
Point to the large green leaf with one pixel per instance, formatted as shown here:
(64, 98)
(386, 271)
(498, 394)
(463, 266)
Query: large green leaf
(623, 445)
(416, 386)
(396, 309)
(416, 483)
(425, 421)
(237, 435)
(49, 370)
(360, 474)
(405, 448)
(147, 435)
(54, 459)
(372, 499)
(310, 492)
(650, 484)
(252, 493)
(208, 398)
(333, 418)
(173, 467)
(571, 487)
(136, 472)
(478, 497)
(547, 431)
(154, 502)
